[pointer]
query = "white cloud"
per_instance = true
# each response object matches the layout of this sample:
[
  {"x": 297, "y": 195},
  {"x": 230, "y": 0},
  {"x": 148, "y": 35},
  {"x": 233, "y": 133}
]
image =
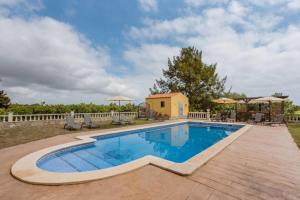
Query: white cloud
[
  {"x": 268, "y": 2},
  {"x": 51, "y": 56},
  {"x": 9, "y": 2},
  {"x": 205, "y": 2},
  {"x": 237, "y": 8},
  {"x": 22, "y": 5},
  {"x": 162, "y": 29},
  {"x": 212, "y": 20},
  {"x": 51, "y": 61},
  {"x": 148, "y": 5},
  {"x": 148, "y": 60},
  {"x": 294, "y": 5},
  {"x": 258, "y": 57}
]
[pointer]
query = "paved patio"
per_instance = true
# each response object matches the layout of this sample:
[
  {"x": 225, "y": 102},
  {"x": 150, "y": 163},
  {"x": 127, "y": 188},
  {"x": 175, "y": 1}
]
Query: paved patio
[{"x": 264, "y": 163}]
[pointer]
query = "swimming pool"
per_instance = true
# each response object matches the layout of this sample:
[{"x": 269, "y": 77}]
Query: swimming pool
[
  {"x": 180, "y": 146},
  {"x": 176, "y": 143}
]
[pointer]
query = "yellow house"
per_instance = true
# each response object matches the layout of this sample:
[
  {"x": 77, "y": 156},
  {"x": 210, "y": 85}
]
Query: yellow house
[{"x": 174, "y": 105}]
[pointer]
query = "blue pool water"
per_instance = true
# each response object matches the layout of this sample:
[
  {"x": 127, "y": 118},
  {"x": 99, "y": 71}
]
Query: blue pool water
[{"x": 177, "y": 143}]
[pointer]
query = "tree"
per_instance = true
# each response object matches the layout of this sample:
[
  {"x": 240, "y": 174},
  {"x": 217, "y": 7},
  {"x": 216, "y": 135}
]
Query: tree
[
  {"x": 4, "y": 99},
  {"x": 234, "y": 95},
  {"x": 188, "y": 74},
  {"x": 277, "y": 94},
  {"x": 289, "y": 107}
]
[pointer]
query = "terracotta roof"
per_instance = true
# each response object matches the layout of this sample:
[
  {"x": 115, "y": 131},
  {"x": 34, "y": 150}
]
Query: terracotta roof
[{"x": 162, "y": 95}]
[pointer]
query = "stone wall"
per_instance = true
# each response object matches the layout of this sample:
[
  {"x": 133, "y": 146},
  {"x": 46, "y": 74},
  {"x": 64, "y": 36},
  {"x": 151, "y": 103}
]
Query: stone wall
[{"x": 31, "y": 123}]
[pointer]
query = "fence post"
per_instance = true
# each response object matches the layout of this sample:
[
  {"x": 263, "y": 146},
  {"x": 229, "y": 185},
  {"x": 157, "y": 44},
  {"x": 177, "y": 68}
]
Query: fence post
[
  {"x": 10, "y": 117},
  {"x": 208, "y": 114},
  {"x": 111, "y": 114}
]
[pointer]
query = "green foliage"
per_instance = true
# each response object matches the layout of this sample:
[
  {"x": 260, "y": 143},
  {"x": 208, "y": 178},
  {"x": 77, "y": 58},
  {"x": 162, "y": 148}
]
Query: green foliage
[
  {"x": 188, "y": 74},
  {"x": 60, "y": 108},
  {"x": 4, "y": 99},
  {"x": 277, "y": 94},
  {"x": 289, "y": 107},
  {"x": 2, "y": 111},
  {"x": 297, "y": 111},
  {"x": 224, "y": 107},
  {"x": 234, "y": 95},
  {"x": 295, "y": 132}
]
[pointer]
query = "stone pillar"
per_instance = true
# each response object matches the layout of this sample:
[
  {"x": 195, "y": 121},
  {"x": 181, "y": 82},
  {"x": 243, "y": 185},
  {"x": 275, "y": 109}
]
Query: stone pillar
[
  {"x": 10, "y": 117},
  {"x": 111, "y": 113},
  {"x": 208, "y": 114}
]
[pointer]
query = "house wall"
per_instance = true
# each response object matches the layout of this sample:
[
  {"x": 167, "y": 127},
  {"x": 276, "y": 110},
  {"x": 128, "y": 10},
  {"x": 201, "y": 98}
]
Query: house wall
[
  {"x": 154, "y": 104},
  {"x": 171, "y": 105},
  {"x": 175, "y": 105}
]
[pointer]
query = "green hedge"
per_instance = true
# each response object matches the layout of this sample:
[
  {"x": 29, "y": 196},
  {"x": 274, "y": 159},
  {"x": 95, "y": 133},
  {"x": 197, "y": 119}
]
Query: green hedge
[{"x": 60, "y": 108}]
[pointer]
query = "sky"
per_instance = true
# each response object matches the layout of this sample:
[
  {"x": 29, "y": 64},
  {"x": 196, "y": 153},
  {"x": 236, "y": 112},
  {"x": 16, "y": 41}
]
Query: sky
[{"x": 72, "y": 51}]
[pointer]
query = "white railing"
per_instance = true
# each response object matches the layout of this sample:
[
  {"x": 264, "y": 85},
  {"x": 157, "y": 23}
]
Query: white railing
[
  {"x": 36, "y": 117},
  {"x": 52, "y": 117},
  {"x": 293, "y": 118},
  {"x": 95, "y": 116},
  {"x": 199, "y": 115},
  {"x": 3, "y": 118}
]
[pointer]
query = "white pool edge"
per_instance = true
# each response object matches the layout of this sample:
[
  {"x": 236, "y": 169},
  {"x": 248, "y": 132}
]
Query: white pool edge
[{"x": 26, "y": 170}]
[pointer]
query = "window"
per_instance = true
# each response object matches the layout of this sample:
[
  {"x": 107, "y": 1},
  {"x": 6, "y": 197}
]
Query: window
[{"x": 162, "y": 104}]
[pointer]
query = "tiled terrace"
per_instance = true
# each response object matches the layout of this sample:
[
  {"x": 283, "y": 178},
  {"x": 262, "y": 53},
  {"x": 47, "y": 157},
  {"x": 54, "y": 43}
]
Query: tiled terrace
[{"x": 264, "y": 163}]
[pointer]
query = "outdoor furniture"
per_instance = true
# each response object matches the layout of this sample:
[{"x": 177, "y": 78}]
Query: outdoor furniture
[
  {"x": 88, "y": 121},
  {"x": 126, "y": 120},
  {"x": 116, "y": 120},
  {"x": 268, "y": 100},
  {"x": 218, "y": 117},
  {"x": 279, "y": 119},
  {"x": 258, "y": 118},
  {"x": 232, "y": 117},
  {"x": 71, "y": 124},
  {"x": 119, "y": 99}
]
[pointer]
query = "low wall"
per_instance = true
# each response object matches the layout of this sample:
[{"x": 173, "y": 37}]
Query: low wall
[
  {"x": 7, "y": 121},
  {"x": 30, "y": 123}
]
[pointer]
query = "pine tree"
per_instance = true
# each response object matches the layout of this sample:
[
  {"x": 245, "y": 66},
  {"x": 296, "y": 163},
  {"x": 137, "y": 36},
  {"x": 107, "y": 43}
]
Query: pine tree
[
  {"x": 187, "y": 73},
  {"x": 4, "y": 100}
]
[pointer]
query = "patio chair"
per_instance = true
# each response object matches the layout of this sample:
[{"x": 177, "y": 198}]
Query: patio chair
[
  {"x": 218, "y": 117},
  {"x": 258, "y": 117},
  {"x": 71, "y": 124},
  {"x": 232, "y": 117},
  {"x": 116, "y": 120},
  {"x": 88, "y": 121},
  {"x": 279, "y": 119},
  {"x": 126, "y": 120}
]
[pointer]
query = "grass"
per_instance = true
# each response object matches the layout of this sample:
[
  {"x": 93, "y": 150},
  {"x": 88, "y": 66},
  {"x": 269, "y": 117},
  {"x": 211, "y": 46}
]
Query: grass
[
  {"x": 23, "y": 134},
  {"x": 295, "y": 132},
  {"x": 297, "y": 112}
]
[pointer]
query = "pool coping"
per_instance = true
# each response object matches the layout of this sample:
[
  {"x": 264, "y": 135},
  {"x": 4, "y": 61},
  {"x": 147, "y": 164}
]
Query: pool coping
[{"x": 25, "y": 169}]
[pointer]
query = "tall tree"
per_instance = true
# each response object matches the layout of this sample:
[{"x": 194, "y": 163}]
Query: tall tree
[
  {"x": 4, "y": 100},
  {"x": 187, "y": 73},
  {"x": 233, "y": 95}
]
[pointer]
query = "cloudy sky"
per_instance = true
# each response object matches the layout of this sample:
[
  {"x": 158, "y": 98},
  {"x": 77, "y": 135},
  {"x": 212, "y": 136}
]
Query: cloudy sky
[{"x": 70, "y": 51}]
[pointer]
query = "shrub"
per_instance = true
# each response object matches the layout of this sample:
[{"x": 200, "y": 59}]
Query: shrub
[{"x": 60, "y": 108}]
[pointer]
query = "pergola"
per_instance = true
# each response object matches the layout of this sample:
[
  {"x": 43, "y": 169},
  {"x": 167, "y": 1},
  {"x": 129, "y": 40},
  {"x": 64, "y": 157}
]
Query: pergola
[
  {"x": 264, "y": 100},
  {"x": 268, "y": 100},
  {"x": 120, "y": 99}
]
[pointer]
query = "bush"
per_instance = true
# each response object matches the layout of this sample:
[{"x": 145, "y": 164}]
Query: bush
[
  {"x": 60, "y": 108},
  {"x": 2, "y": 111}
]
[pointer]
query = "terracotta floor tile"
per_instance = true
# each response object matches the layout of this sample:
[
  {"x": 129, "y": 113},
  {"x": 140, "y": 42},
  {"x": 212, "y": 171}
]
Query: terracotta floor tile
[{"x": 264, "y": 163}]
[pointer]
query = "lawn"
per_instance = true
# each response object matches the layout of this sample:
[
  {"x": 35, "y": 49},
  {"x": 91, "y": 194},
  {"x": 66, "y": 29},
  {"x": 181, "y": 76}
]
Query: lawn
[
  {"x": 297, "y": 112},
  {"x": 295, "y": 132},
  {"x": 23, "y": 134}
]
